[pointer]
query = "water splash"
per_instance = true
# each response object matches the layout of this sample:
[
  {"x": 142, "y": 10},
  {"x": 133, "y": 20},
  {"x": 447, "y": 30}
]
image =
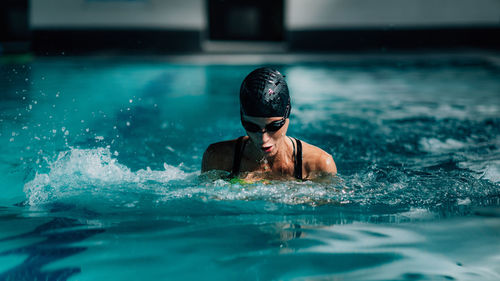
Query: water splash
[
  {"x": 94, "y": 176},
  {"x": 78, "y": 171}
]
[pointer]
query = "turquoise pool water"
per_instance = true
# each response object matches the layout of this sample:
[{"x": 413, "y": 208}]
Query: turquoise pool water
[{"x": 100, "y": 159}]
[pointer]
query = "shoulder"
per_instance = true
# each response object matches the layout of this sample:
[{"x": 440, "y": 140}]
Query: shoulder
[
  {"x": 219, "y": 156},
  {"x": 316, "y": 160}
]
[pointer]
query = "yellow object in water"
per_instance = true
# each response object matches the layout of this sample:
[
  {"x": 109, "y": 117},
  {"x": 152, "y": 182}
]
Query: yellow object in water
[{"x": 246, "y": 182}]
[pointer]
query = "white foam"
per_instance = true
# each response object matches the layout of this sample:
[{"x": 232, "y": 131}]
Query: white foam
[
  {"x": 434, "y": 145},
  {"x": 489, "y": 170},
  {"x": 492, "y": 171},
  {"x": 80, "y": 170}
]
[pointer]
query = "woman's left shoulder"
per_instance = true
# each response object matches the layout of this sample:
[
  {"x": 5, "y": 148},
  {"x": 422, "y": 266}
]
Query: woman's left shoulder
[{"x": 316, "y": 159}]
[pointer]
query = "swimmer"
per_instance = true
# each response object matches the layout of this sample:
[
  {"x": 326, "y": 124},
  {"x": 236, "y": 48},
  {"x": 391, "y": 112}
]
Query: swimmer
[{"x": 267, "y": 153}]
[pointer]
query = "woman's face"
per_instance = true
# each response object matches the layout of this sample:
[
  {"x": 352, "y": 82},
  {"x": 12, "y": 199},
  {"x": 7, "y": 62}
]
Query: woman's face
[{"x": 266, "y": 140}]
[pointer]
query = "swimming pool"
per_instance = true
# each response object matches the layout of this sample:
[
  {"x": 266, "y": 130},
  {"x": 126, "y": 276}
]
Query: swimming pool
[{"x": 100, "y": 162}]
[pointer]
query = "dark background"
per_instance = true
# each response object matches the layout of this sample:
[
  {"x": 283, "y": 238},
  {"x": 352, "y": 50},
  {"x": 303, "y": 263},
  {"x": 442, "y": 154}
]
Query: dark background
[{"x": 244, "y": 21}]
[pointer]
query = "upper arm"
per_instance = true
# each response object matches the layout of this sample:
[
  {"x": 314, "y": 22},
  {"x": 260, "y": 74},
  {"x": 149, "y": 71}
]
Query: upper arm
[
  {"x": 325, "y": 164},
  {"x": 208, "y": 161},
  {"x": 217, "y": 156},
  {"x": 319, "y": 164},
  {"x": 323, "y": 169}
]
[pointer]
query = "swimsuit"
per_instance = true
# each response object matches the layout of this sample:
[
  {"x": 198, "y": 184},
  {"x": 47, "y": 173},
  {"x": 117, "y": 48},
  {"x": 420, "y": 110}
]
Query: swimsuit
[{"x": 240, "y": 146}]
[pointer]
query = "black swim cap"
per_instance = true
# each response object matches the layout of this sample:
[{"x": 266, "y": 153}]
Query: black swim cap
[{"x": 264, "y": 93}]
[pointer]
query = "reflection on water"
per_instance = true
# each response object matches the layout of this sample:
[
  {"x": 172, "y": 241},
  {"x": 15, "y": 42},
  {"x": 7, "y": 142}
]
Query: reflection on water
[
  {"x": 265, "y": 243},
  {"x": 57, "y": 237}
]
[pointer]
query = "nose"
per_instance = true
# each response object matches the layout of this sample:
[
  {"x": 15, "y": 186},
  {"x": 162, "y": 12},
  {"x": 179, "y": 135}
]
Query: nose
[{"x": 264, "y": 136}]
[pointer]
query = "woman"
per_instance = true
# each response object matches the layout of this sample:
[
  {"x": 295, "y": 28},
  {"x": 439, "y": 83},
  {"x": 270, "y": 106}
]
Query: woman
[{"x": 267, "y": 152}]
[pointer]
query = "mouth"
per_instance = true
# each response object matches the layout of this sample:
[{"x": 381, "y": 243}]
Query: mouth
[{"x": 266, "y": 149}]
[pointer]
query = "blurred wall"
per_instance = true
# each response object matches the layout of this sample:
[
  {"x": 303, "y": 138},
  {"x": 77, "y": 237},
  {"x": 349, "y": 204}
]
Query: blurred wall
[
  {"x": 326, "y": 14},
  {"x": 385, "y": 25},
  {"x": 182, "y": 25},
  {"x": 299, "y": 14},
  {"x": 165, "y": 14},
  {"x": 129, "y": 26}
]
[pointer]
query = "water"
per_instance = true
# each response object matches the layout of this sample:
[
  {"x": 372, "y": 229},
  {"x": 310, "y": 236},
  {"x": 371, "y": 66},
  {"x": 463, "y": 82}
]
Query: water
[{"x": 100, "y": 162}]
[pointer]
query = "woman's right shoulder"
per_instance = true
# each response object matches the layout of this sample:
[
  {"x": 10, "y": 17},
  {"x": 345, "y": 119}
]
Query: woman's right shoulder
[
  {"x": 222, "y": 146},
  {"x": 219, "y": 156}
]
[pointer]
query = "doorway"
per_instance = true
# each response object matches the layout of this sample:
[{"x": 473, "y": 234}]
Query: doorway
[{"x": 245, "y": 20}]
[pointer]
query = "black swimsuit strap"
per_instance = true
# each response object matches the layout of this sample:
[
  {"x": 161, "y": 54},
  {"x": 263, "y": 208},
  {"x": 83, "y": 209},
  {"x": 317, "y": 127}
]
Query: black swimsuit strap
[
  {"x": 238, "y": 149},
  {"x": 298, "y": 161},
  {"x": 293, "y": 145}
]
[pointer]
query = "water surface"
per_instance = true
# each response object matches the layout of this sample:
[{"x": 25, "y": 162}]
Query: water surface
[{"x": 100, "y": 172}]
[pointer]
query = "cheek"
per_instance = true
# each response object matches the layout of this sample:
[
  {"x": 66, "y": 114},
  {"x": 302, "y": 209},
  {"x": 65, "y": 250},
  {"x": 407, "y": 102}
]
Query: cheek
[
  {"x": 281, "y": 132},
  {"x": 276, "y": 136}
]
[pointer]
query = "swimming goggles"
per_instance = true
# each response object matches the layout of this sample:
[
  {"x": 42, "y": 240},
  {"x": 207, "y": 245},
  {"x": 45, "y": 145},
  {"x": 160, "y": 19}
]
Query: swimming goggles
[{"x": 271, "y": 127}]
